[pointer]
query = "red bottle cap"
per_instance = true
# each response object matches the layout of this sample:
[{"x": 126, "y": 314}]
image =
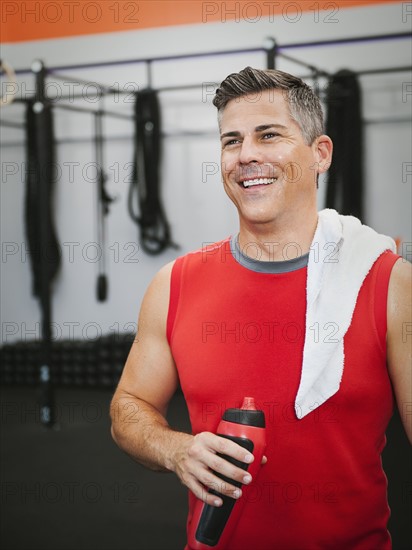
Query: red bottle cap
[{"x": 249, "y": 404}]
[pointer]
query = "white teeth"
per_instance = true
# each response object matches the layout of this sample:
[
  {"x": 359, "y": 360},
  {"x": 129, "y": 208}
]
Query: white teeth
[{"x": 258, "y": 181}]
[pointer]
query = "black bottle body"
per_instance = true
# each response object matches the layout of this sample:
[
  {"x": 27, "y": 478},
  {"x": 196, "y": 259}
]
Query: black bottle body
[{"x": 211, "y": 526}]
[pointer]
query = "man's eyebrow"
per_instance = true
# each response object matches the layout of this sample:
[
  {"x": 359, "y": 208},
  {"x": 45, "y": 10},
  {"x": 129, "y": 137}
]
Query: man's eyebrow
[
  {"x": 264, "y": 127},
  {"x": 260, "y": 128},
  {"x": 229, "y": 134}
]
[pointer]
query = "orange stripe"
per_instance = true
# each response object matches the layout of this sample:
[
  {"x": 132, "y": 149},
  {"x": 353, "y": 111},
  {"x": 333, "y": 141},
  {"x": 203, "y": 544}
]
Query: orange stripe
[{"x": 42, "y": 19}]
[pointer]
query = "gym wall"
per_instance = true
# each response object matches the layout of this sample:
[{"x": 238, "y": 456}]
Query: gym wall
[{"x": 195, "y": 204}]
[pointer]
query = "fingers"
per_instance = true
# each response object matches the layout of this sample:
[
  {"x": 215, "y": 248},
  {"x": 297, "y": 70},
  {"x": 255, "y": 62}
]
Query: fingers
[
  {"x": 206, "y": 467},
  {"x": 212, "y": 467},
  {"x": 202, "y": 493}
]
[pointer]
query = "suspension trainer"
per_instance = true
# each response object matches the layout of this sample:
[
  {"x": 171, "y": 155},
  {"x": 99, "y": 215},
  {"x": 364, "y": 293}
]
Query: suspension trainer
[{"x": 144, "y": 201}]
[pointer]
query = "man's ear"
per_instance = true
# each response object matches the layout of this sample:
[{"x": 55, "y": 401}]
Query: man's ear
[{"x": 323, "y": 149}]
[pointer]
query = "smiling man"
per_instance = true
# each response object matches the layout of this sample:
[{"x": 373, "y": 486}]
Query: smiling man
[
  {"x": 315, "y": 337},
  {"x": 270, "y": 169}
]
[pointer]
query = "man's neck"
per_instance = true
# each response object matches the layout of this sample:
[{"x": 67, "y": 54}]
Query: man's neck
[{"x": 278, "y": 242}]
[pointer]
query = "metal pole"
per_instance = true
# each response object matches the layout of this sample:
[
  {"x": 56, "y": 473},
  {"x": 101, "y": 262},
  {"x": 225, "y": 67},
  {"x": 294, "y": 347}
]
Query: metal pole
[{"x": 271, "y": 52}]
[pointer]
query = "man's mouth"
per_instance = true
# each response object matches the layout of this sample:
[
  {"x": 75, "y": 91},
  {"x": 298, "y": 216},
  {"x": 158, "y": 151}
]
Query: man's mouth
[{"x": 257, "y": 181}]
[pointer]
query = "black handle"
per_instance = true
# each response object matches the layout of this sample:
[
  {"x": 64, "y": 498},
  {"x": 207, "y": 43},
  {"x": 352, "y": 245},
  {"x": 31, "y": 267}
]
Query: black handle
[{"x": 102, "y": 288}]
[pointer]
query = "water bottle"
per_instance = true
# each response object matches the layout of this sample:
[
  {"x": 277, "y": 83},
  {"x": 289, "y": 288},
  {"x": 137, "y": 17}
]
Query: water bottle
[{"x": 211, "y": 526}]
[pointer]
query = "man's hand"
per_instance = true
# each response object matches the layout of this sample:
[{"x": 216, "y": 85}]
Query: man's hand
[{"x": 196, "y": 460}]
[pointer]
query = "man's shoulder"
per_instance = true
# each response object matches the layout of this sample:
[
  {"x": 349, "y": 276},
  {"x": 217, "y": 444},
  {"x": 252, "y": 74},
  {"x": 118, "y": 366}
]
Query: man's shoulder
[
  {"x": 208, "y": 249},
  {"x": 198, "y": 257},
  {"x": 401, "y": 277},
  {"x": 210, "y": 246}
]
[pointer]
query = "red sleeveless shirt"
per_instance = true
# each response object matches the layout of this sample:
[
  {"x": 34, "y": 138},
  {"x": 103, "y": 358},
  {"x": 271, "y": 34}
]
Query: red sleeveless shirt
[{"x": 235, "y": 332}]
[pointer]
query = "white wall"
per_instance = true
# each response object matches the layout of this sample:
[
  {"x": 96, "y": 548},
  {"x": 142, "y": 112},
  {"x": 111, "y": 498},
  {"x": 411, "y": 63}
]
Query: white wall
[{"x": 195, "y": 204}]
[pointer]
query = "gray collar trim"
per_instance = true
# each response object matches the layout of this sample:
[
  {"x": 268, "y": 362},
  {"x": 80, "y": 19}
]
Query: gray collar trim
[{"x": 266, "y": 267}]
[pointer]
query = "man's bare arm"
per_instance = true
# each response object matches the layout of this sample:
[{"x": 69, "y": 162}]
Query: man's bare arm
[
  {"x": 399, "y": 339},
  {"x": 139, "y": 407}
]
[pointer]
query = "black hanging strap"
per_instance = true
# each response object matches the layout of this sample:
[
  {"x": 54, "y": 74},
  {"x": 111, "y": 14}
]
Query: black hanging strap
[
  {"x": 144, "y": 189},
  {"x": 40, "y": 173},
  {"x": 344, "y": 126}
]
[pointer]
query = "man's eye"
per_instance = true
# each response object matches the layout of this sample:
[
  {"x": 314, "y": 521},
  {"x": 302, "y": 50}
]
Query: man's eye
[
  {"x": 269, "y": 135},
  {"x": 231, "y": 142}
]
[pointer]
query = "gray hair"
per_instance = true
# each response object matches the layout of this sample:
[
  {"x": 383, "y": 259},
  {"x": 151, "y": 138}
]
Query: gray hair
[{"x": 304, "y": 105}]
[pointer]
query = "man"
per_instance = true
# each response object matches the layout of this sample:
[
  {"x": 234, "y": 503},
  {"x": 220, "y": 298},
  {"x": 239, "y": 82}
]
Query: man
[{"x": 304, "y": 311}]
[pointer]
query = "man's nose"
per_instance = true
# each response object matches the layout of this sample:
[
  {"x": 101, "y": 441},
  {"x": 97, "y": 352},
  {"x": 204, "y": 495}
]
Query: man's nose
[{"x": 249, "y": 151}]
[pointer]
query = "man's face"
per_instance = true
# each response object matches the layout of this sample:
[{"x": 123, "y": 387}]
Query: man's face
[{"x": 268, "y": 170}]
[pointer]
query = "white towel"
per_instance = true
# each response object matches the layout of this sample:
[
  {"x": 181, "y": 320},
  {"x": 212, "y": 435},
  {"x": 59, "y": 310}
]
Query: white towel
[{"x": 341, "y": 255}]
